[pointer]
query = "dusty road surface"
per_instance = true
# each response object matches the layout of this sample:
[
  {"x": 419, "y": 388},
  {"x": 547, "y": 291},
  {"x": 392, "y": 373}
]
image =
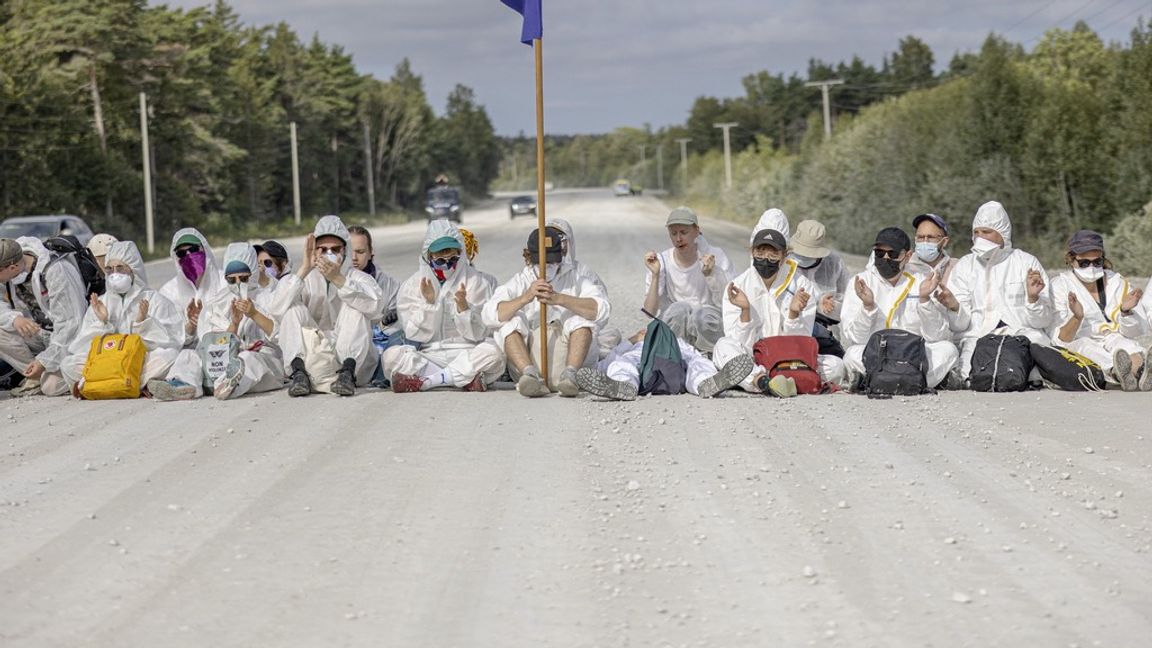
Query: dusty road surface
[{"x": 451, "y": 519}]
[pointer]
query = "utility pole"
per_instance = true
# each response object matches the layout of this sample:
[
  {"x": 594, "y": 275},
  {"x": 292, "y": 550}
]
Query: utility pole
[
  {"x": 660, "y": 166},
  {"x": 295, "y": 175},
  {"x": 727, "y": 126},
  {"x": 683, "y": 142},
  {"x": 149, "y": 225},
  {"x": 368, "y": 170},
  {"x": 643, "y": 165},
  {"x": 824, "y": 85}
]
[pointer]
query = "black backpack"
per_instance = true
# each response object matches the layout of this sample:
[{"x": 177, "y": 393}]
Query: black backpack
[
  {"x": 65, "y": 245},
  {"x": 1067, "y": 370},
  {"x": 895, "y": 364},
  {"x": 662, "y": 368},
  {"x": 1001, "y": 363}
]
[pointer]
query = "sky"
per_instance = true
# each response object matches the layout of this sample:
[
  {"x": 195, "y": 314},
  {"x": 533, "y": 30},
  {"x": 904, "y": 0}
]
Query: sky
[{"x": 612, "y": 63}]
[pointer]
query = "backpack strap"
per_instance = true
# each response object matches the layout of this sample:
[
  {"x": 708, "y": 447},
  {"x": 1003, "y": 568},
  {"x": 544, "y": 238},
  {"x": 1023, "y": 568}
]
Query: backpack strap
[
  {"x": 1113, "y": 318},
  {"x": 899, "y": 300},
  {"x": 787, "y": 279}
]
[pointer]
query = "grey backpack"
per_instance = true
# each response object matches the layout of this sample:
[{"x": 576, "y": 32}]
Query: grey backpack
[{"x": 217, "y": 349}]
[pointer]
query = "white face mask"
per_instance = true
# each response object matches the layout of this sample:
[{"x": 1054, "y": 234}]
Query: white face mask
[
  {"x": 1091, "y": 274},
  {"x": 19, "y": 279},
  {"x": 332, "y": 257},
  {"x": 551, "y": 270},
  {"x": 240, "y": 289},
  {"x": 983, "y": 248},
  {"x": 119, "y": 283}
]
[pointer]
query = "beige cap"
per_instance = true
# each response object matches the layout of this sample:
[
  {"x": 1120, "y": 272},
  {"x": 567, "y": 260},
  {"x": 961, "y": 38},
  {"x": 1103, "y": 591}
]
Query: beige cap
[
  {"x": 682, "y": 216},
  {"x": 98, "y": 245},
  {"x": 808, "y": 240},
  {"x": 10, "y": 252}
]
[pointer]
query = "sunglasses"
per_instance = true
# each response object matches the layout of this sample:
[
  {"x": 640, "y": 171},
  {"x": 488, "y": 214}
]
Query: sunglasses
[
  {"x": 336, "y": 249},
  {"x": 268, "y": 263},
  {"x": 444, "y": 262},
  {"x": 240, "y": 279},
  {"x": 1084, "y": 263},
  {"x": 891, "y": 254},
  {"x": 185, "y": 251}
]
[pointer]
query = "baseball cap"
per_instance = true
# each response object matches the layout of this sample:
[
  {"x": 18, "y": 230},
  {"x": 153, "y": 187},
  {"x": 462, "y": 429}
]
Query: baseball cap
[
  {"x": 99, "y": 244},
  {"x": 553, "y": 252},
  {"x": 274, "y": 249},
  {"x": 10, "y": 252},
  {"x": 895, "y": 238},
  {"x": 681, "y": 216},
  {"x": 939, "y": 222},
  {"x": 769, "y": 237},
  {"x": 808, "y": 240},
  {"x": 1085, "y": 241},
  {"x": 444, "y": 243},
  {"x": 188, "y": 239}
]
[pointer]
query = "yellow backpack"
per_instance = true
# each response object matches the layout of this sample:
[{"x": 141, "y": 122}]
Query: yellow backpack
[{"x": 113, "y": 369}]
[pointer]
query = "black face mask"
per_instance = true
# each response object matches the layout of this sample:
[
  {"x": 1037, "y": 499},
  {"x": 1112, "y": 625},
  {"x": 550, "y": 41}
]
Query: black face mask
[
  {"x": 888, "y": 268},
  {"x": 765, "y": 267}
]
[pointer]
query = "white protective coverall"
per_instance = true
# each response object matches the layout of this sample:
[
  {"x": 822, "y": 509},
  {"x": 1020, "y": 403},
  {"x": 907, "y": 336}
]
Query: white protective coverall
[
  {"x": 568, "y": 279},
  {"x": 181, "y": 291},
  {"x": 449, "y": 340},
  {"x": 263, "y": 365},
  {"x": 769, "y": 318},
  {"x": 162, "y": 331},
  {"x": 773, "y": 219},
  {"x": 992, "y": 291},
  {"x": 623, "y": 364},
  {"x": 691, "y": 303},
  {"x": 1101, "y": 333},
  {"x": 58, "y": 290},
  {"x": 897, "y": 307},
  {"x": 830, "y": 278},
  {"x": 607, "y": 337},
  {"x": 344, "y": 314}
]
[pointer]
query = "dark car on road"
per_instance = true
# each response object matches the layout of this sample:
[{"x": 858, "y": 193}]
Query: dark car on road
[
  {"x": 443, "y": 202},
  {"x": 46, "y": 227},
  {"x": 522, "y": 206}
]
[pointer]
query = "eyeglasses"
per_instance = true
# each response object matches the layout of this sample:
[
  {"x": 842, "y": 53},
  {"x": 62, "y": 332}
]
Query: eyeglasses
[
  {"x": 928, "y": 238},
  {"x": 1084, "y": 263},
  {"x": 445, "y": 261},
  {"x": 238, "y": 279},
  {"x": 185, "y": 251},
  {"x": 335, "y": 249},
  {"x": 124, "y": 270},
  {"x": 268, "y": 263},
  {"x": 891, "y": 254}
]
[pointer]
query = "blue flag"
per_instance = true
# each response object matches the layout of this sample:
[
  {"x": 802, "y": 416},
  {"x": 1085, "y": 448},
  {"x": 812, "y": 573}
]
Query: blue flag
[{"x": 533, "y": 22}]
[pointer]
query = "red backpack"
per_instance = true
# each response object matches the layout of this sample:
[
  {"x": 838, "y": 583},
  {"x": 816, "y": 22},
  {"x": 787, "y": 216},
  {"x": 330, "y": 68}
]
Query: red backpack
[{"x": 793, "y": 356}]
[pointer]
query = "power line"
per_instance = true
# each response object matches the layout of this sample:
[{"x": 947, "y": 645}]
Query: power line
[
  {"x": 1126, "y": 16},
  {"x": 1061, "y": 21},
  {"x": 1103, "y": 11},
  {"x": 1029, "y": 16}
]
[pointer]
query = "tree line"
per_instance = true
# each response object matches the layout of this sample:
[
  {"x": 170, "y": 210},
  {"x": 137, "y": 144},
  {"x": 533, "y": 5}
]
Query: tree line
[{"x": 221, "y": 96}]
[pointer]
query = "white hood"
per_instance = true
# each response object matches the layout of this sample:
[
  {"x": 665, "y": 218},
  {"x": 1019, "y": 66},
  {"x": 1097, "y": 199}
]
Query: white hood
[
  {"x": 566, "y": 227},
  {"x": 246, "y": 254},
  {"x": 43, "y": 257},
  {"x": 993, "y": 216},
  {"x": 211, "y": 280},
  {"x": 439, "y": 228},
  {"x": 772, "y": 219},
  {"x": 333, "y": 226},
  {"x": 126, "y": 252}
]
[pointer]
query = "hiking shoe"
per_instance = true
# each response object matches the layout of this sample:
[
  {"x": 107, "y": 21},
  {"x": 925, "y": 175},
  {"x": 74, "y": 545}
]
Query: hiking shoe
[
  {"x": 345, "y": 384},
  {"x": 477, "y": 384},
  {"x": 599, "y": 384},
  {"x": 173, "y": 390},
  {"x": 1122, "y": 370},
  {"x": 531, "y": 385},
  {"x": 299, "y": 383},
  {"x": 567, "y": 385},
  {"x": 1145, "y": 382},
  {"x": 227, "y": 384},
  {"x": 406, "y": 383},
  {"x": 731, "y": 374}
]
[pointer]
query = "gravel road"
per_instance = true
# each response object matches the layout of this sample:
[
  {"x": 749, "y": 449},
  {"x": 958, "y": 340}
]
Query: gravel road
[{"x": 452, "y": 519}]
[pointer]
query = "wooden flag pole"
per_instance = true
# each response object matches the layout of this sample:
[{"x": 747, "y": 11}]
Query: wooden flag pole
[{"x": 541, "y": 239}]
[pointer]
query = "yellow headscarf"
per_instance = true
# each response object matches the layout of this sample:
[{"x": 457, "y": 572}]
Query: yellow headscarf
[{"x": 471, "y": 246}]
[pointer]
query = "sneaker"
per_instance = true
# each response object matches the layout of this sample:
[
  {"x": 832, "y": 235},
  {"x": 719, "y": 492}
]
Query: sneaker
[
  {"x": 1145, "y": 383},
  {"x": 599, "y": 384},
  {"x": 172, "y": 390},
  {"x": 730, "y": 375},
  {"x": 1122, "y": 370},
  {"x": 530, "y": 385},
  {"x": 477, "y": 384},
  {"x": 345, "y": 384},
  {"x": 30, "y": 387},
  {"x": 782, "y": 387},
  {"x": 227, "y": 384},
  {"x": 567, "y": 385},
  {"x": 299, "y": 383},
  {"x": 406, "y": 383}
]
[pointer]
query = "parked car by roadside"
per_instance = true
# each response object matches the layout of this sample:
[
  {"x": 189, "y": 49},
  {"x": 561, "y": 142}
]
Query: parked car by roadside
[
  {"x": 522, "y": 206},
  {"x": 46, "y": 227}
]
